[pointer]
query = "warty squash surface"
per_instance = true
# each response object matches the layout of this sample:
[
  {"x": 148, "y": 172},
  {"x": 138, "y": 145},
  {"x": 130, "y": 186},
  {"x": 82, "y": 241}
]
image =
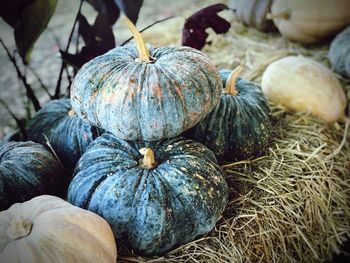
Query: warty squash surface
[{"x": 155, "y": 195}]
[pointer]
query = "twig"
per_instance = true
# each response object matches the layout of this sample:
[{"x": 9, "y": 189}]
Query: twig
[
  {"x": 29, "y": 90},
  {"x": 69, "y": 77},
  {"x": 43, "y": 86},
  {"x": 158, "y": 21},
  {"x": 63, "y": 65},
  {"x": 20, "y": 124}
]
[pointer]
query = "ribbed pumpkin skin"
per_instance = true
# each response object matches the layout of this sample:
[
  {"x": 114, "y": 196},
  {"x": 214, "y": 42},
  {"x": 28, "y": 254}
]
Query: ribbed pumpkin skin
[
  {"x": 68, "y": 135},
  {"x": 27, "y": 169},
  {"x": 152, "y": 209},
  {"x": 253, "y": 13},
  {"x": 146, "y": 101},
  {"x": 48, "y": 229},
  {"x": 339, "y": 53},
  {"x": 239, "y": 127}
]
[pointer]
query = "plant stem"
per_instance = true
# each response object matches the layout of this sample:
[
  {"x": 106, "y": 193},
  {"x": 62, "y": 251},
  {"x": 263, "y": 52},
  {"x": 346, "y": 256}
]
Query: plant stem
[
  {"x": 140, "y": 44},
  {"x": 29, "y": 90},
  {"x": 148, "y": 161},
  {"x": 231, "y": 81},
  {"x": 63, "y": 65},
  {"x": 20, "y": 124},
  {"x": 43, "y": 86},
  {"x": 158, "y": 21}
]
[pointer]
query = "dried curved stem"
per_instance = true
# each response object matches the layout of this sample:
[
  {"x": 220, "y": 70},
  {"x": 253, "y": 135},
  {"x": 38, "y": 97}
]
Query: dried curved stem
[
  {"x": 148, "y": 161},
  {"x": 140, "y": 44},
  {"x": 231, "y": 82}
]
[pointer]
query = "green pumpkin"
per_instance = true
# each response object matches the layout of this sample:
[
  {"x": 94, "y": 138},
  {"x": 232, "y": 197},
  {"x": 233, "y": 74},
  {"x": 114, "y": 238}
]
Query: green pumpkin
[
  {"x": 339, "y": 53},
  {"x": 154, "y": 195},
  {"x": 240, "y": 125},
  {"x": 27, "y": 169},
  {"x": 68, "y": 135},
  {"x": 148, "y": 95}
]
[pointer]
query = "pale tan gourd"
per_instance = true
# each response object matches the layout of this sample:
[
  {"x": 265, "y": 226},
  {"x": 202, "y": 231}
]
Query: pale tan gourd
[
  {"x": 253, "y": 13},
  {"x": 308, "y": 21},
  {"x": 304, "y": 85},
  {"x": 49, "y": 229}
]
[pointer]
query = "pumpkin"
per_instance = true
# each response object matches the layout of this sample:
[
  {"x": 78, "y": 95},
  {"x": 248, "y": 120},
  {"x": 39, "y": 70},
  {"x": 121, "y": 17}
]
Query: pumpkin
[
  {"x": 27, "y": 169},
  {"x": 154, "y": 195},
  {"x": 310, "y": 21},
  {"x": 339, "y": 53},
  {"x": 253, "y": 13},
  {"x": 239, "y": 127},
  {"x": 146, "y": 93},
  {"x": 57, "y": 124},
  {"x": 301, "y": 84},
  {"x": 49, "y": 229}
]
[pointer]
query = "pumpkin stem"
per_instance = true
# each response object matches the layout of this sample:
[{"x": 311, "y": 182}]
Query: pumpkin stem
[
  {"x": 231, "y": 82},
  {"x": 19, "y": 228},
  {"x": 148, "y": 161},
  {"x": 71, "y": 113},
  {"x": 140, "y": 44},
  {"x": 281, "y": 15}
]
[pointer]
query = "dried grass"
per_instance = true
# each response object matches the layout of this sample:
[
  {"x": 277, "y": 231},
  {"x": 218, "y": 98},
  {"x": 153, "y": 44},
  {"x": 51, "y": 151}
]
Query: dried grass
[{"x": 291, "y": 205}]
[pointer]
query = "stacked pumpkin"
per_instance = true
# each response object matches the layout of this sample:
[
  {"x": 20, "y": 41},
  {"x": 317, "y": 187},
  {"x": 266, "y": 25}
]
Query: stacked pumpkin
[{"x": 155, "y": 188}]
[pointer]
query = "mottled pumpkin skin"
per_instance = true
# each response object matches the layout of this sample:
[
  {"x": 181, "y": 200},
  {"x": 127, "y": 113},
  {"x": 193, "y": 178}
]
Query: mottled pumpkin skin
[
  {"x": 68, "y": 134},
  {"x": 27, "y": 169},
  {"x": 339, "y": 53},
  {"x": 146, "y": 101},
  {"x": 152, "y": 209},
  {"x": 239, "y": 127}
]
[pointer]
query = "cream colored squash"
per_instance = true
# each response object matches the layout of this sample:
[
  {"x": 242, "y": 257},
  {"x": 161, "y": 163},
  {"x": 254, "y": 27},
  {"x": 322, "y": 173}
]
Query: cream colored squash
[
  {"x": 47, "y": 229},
  {"x": 308, "y": 21},
  {"x": 304, "y": 85}
]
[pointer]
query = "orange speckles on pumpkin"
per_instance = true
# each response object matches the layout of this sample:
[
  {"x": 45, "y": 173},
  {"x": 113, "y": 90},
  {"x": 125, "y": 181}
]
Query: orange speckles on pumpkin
[
  {"x": 179, "y": 93},
  {"x": 157, "y": 91},
  {"x": 105, "y": 93},
  {"x": 169, "y": 212},
  {"x": 194, "y": 115},
  {"x": 207, "y": 104},
  {"x": 93, "y": 96},
  {"x": 199, "y": 176}
]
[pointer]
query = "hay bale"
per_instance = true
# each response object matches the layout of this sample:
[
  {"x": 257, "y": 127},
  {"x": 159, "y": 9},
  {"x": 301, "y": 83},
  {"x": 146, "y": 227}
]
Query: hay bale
[{"x": 291, "y": 205}]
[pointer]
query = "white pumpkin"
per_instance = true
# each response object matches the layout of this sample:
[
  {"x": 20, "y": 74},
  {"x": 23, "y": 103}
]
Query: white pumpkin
[
  {"x": 308, "y": 21},
  {"x": 304, "y": 85},
  {"x": 49, "y": 229}
]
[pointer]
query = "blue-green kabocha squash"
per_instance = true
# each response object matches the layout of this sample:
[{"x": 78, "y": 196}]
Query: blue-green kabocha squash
[
  {"x": 67, "y": 134},
  {"x": 154, "y": 195},
  {"x": 146, "y": 93},
  {"x": 339, "y": 53},
  {"x": 240, "y": 125},
  {"x": 27, "y": 169}
]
